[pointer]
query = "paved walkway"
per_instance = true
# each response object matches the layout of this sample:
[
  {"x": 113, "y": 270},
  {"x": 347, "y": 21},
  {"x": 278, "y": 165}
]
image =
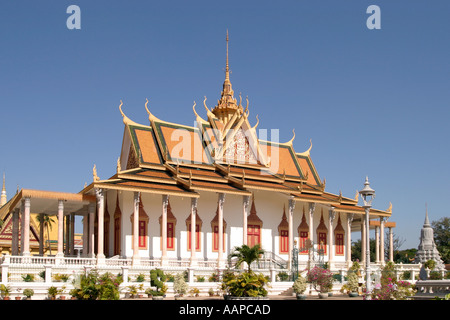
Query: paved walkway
[{"x": 275, "y": 297}]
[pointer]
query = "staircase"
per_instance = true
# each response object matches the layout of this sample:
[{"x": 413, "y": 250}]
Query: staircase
[
  {"x": 270, "y": 260},
  {"x": 281, "y": 288}
]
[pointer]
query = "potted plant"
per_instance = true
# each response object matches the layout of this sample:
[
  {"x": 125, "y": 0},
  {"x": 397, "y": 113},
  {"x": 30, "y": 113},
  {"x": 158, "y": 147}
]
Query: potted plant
[
  {"x": 352, "y": 283},
  {"x": 18, "y": 291},
  {"x": 61, "y": 292},
  {"x": 74, "y": 294},
  {"x": 321, "y": 279},
  {"x": 195, "y": 292},
  {"x": 52, "y": 292},
  {"x": 5, "y": 291},
  {"x": 300, "y": 287},
  {"x": 28, "y": 293},
  {"x": 180, "y": 286},
  {"x": 28, "y": 277},
  {"x": 356, "y": 267},
  {"x": 132, "y": 291}
]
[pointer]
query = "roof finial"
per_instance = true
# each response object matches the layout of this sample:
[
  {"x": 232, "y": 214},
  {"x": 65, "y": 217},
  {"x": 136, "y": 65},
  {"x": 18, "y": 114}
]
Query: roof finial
[
  {"x": 3, "y": 198},
  {"x": 227, "y": 68}
]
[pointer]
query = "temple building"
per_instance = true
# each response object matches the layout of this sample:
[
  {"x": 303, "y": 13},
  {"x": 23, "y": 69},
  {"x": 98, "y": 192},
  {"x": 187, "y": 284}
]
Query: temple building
[{"x": 192, "y": 193}]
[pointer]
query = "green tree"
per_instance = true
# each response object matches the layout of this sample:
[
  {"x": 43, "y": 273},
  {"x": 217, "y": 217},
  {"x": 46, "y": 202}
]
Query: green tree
[
  {"x": 441, "y": 229},
  {"x": 46, "y": 222},
  {"x": 247, "y": 254},
  {"x": 356, "y": 250}
]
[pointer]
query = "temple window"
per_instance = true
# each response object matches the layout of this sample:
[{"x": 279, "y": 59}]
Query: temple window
[
  {"x": 322, "y": 232},
  {"x": 339, "y": 237},
  {"x": 198, "y": 228},
  {"x": 171, "y": 225},
  {"x": 283, "y": 232},
  {"x": 303, "y": 232},
  {"x": 254, "y": 225}
]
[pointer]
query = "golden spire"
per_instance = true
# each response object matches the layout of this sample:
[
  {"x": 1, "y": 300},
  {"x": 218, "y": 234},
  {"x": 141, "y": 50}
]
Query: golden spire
[
  {"x": 227, "y": 104},
  {"x": 3, "y": 198},
  {"x": 227, "y": 67}
]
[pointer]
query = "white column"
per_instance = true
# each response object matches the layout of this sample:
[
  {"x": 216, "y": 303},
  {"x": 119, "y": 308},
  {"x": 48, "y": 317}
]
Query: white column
[
  {"x": 349, "y": 239},
  {"x": 67, "y": 235},
  {"x": 15, "y": 233},
  {"x": 382, "y": 221},
  {"x": 165, "y": 202},
  {"x": 72, "y": 234},
  {"x": 91, "y": 253},
  {"x": 391, "y": 245},
  {"x": 312, "y": 207},
  {"x": 85, "y": 235},
  {"x": 220, "y": 226},
  {"x": 136, "y": 259},
  {"x": 245, "y": 206},
  {"x": 100, "y": 235},
  {"x": 291, "y": 229},
  {"x": 193, "y": 229},
  {"x": 21, "y": 221},
  {"x": 377, "y": 244},
  {"x": 331, "y": 216},
  {"x": 60, "y": 252}
]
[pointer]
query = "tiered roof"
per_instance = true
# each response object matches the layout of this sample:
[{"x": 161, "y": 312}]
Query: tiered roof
[{"x": 221, "y": 154}]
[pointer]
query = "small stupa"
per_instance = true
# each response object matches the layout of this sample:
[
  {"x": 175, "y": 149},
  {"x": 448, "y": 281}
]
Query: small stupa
[{"x": 427, "y": 248}]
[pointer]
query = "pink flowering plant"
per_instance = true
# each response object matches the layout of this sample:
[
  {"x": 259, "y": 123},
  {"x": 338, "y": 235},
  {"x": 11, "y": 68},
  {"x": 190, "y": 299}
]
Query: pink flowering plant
[
  {"x": 391, "y": 289},
  {"x": 321, "y": 279}
]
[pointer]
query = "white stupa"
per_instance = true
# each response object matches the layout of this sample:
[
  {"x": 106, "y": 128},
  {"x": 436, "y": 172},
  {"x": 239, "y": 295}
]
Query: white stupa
[{"x": 427, "y": 248}]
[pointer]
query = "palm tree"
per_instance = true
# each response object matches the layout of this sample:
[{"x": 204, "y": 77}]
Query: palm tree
[
  {"x": 46, "y": 223},
  {"x": 247, "y": 254}
]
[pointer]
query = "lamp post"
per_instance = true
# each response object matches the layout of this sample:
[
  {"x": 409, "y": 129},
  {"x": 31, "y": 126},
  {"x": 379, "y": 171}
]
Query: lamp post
[{"x": 367, "y": 194}]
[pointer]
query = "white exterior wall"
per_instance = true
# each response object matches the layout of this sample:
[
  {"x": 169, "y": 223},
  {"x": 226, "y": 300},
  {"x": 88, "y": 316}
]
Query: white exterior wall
[{"x": 269, "y": 208}]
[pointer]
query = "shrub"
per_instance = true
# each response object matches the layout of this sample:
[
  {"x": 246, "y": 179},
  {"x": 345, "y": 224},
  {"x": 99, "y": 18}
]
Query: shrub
[
  {"x": 60, "y": 277},
  {"x": 283, "y": 276},
  {"x": 157, "y": 279},
  {"x": 299, "y": 285},
  {"x": 28, "y": 292},
  {"x": 214, "y": 277},
  {"x": 179, "y": 285},
  {"x": 321, "y": 279},
  {"x": 435, "y": 275},
  {"x": 140, "y": 278},
  {"x": 246, "y": 284},
  {"x": 52, "y": 291},
  {"x": 5, "y": 290},
  {"x": 28, "y": 277},
  {"x": 93, "y": 287},
  {"x": 391, "y": 289}
]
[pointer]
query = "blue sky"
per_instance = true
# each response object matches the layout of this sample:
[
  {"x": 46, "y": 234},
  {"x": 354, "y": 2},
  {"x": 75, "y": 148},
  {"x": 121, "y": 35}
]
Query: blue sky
[{"x": 374, "y": 102}]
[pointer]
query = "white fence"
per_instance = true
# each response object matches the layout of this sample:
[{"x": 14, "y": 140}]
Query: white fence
[{"x": 21, "y": 272}]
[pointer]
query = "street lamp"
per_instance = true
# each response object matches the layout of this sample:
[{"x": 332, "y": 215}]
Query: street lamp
[{"x": 367, "y": 194}]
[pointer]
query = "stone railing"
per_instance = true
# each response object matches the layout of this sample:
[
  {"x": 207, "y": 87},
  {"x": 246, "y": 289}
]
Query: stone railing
[{"x": 428, "y": 289}]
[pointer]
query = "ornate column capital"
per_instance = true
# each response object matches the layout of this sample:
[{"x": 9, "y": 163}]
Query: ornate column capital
[
  {"x": 194, "y": 202},
  {"x": 291, "y": 204},
  {"x": 312, "y": 207},
  {"x": 332, "y": 214},
  {"x": 221, "y": 199},
  {"x": 165, "y": 200},
  {"x": 350, "y": 217},
  {"x": 246, "y": 201}
]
